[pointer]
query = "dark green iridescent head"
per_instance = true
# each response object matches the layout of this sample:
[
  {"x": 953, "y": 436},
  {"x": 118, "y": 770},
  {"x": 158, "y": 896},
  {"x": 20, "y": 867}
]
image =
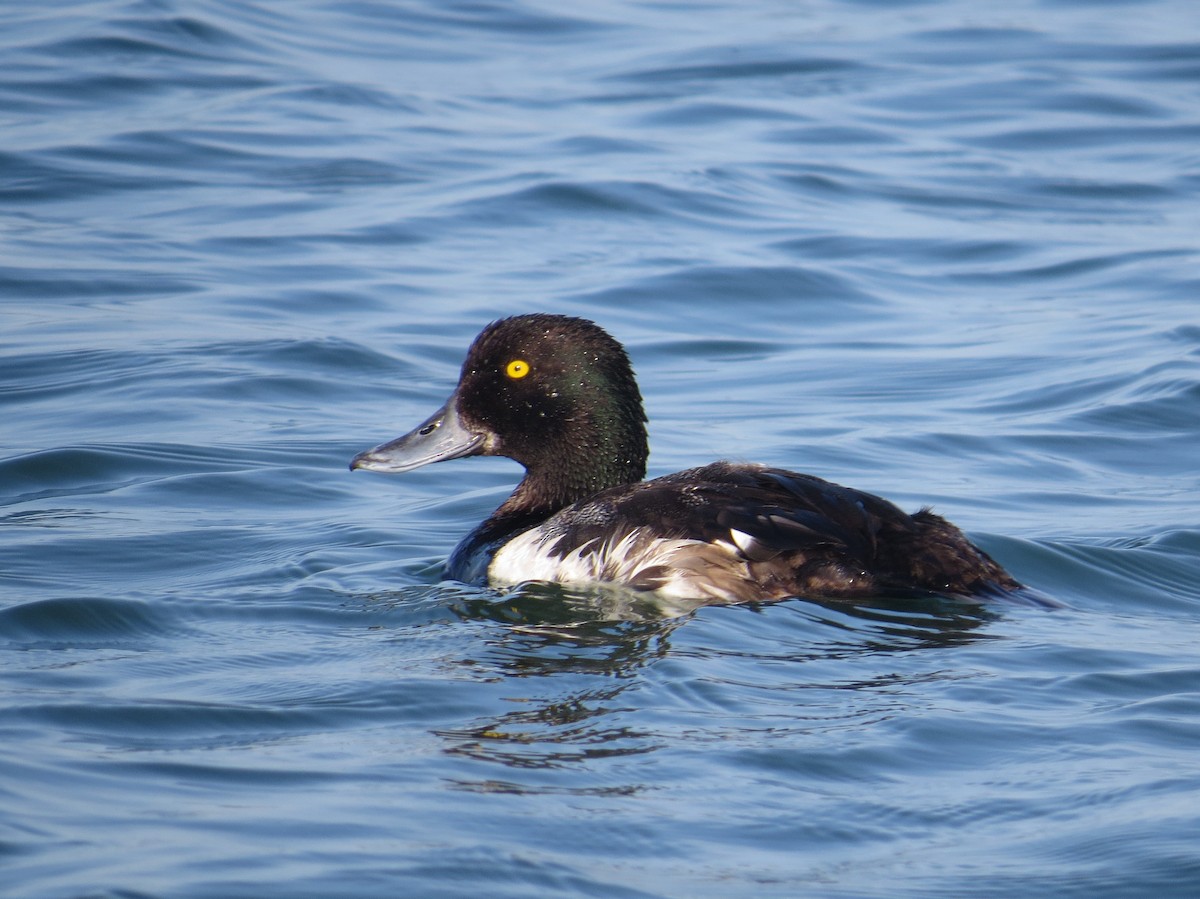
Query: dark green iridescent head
[{"x": 555, "y": 393}]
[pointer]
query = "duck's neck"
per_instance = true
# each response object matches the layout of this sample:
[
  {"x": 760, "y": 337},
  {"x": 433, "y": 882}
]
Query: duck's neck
[
  {"x": 607, "y": 450},
  {"x": 539, "y": 495}
]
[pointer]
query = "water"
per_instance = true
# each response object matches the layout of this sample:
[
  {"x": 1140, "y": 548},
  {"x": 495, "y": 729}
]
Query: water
[{"x": 943, "y": 251}]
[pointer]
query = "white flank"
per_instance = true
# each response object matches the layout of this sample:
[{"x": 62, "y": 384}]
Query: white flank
[{"x": 531, "y": 557}]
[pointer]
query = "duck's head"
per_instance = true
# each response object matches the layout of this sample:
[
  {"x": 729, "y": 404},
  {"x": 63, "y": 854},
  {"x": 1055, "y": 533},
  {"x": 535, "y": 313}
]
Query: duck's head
[{"x": 555, "y": 393}]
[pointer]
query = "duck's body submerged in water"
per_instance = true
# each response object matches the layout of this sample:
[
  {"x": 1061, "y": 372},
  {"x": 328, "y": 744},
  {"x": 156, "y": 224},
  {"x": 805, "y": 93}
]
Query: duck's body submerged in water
[{"x": 558, "y": 395}]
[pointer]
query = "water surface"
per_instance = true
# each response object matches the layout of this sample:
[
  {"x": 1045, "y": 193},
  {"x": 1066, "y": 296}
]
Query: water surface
[{"x": 939, "y": 251}]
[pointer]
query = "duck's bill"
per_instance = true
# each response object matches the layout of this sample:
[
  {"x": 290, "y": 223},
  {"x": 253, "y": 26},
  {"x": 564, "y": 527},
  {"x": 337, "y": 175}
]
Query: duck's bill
[{"x": 440, "y": 437}]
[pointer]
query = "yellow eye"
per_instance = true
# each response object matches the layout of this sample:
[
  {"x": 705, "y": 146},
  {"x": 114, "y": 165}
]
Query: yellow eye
[{"x": 517, "y": 369}]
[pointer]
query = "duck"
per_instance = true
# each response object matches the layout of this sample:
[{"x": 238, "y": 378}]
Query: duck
[{"x": 557, "y": 394}]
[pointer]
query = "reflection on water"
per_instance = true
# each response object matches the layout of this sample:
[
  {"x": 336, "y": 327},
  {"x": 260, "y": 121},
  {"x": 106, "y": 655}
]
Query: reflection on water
[
  {"x": 573, "y": 653},
  {"x": 569, "y": 654}
]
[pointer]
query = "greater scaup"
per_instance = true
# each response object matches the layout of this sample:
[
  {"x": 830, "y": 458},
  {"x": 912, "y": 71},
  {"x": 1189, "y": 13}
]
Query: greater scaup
[{"x": 558, "y": 395}]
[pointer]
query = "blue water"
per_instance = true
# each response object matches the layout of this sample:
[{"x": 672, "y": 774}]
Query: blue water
[{"x": 944, "y": 251}]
